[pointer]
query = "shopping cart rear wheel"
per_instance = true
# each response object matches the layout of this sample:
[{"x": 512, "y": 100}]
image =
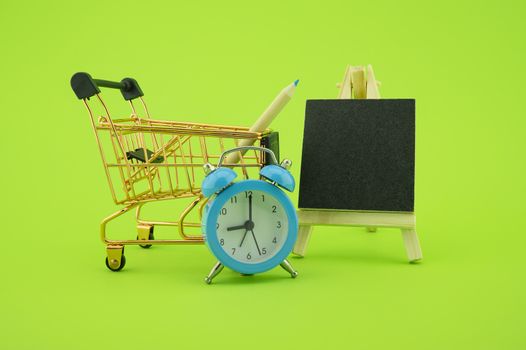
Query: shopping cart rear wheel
[
  {"x": 150, "y": 237},
  {"x": 123, "y": 262}
]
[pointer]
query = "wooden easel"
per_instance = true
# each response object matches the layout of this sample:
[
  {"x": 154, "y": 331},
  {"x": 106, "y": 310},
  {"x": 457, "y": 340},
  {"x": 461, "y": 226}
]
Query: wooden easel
[{"x": 359, "y": 83}]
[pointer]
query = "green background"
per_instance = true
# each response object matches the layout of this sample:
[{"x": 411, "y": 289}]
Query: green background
[{"x": 223, "y": 62}]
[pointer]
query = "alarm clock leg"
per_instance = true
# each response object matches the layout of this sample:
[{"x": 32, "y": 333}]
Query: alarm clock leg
[
  {"x": 214, "y": 272},
  {"x": 288, "y": 267}
]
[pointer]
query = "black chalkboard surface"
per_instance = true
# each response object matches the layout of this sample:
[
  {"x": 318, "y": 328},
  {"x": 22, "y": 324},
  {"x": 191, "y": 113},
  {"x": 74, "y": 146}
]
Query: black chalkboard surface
[{"x": 358, "y": 155}]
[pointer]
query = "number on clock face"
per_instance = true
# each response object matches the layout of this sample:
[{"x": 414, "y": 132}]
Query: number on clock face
[{"x": 252, "y": 226}]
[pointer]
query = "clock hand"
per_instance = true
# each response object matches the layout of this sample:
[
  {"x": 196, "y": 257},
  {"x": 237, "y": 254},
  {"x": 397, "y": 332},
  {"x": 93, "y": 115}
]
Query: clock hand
[
  {"x": 249, "y": 226},
  {"x": 250, "y": 223},
  {"x": 239, "y": 227},
  {"x": 250, "y": 208},
  {"x": 240, "y": 244},
  {"x": 257, "y": 246}
]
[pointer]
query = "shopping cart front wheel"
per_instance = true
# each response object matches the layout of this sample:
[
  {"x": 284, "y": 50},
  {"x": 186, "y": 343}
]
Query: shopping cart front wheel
[{"x": 115, "y": 259}]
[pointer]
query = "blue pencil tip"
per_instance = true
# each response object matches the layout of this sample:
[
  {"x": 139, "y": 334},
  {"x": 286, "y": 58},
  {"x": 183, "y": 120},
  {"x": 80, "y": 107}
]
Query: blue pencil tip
[{"x": 296, "y": 82}]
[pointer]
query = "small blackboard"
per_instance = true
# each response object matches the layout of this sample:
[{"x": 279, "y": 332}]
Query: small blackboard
[{"x": 358, "y": 155}]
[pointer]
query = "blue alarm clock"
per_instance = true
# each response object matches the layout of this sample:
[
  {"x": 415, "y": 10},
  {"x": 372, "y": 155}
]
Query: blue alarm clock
[{"x": 251, "y": 225}]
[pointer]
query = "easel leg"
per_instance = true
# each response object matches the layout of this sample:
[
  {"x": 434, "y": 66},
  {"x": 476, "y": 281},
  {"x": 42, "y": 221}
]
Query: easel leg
[
  {"x": 214, "y": 272},
  {"x": 303, "y": 240},
  {"x": 288, "y": 267},
  {"x": 412, "y": 245}
]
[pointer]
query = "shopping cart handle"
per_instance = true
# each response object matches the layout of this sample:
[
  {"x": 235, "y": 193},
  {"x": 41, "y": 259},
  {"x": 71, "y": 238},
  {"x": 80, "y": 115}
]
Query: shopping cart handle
[{"x": 85, "y": 86}]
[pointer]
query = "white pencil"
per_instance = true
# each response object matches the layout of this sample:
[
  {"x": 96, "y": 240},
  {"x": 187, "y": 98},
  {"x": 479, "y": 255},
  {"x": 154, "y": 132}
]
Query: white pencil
[{"x": 265, "y": 119}]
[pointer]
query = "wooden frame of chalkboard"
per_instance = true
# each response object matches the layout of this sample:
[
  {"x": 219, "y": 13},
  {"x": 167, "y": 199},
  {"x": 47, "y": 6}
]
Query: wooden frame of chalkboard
[{"x": 393, "y": 210}]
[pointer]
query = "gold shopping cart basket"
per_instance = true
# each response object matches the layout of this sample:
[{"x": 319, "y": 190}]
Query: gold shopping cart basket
[{"x": 147, "y": 160}]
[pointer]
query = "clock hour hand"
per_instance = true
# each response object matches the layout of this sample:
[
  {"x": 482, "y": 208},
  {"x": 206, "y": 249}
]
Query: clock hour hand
[{"x": 239, "y": 227}]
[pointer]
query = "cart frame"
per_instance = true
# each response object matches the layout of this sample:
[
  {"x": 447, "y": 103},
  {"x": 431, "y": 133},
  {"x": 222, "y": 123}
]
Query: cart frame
[{"x": 168, "y": 172}]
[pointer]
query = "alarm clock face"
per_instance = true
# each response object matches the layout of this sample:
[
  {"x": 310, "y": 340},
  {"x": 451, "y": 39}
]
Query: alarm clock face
[{"x": 252, "y": 226}]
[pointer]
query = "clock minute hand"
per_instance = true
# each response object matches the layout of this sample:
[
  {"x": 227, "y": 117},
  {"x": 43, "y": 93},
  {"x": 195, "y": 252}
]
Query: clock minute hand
[
  {"x": 247, "y": 225},
  {"x": 250, "y": 208}
]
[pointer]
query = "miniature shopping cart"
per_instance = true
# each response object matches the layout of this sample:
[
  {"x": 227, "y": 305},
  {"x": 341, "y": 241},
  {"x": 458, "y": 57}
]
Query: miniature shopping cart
[{"x": 147, "y": 160}]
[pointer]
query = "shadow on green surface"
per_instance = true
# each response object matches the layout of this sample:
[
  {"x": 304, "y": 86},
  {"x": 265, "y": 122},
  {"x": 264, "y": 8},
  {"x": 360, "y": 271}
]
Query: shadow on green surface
[
  {"x": 233, "y": 278},
  {"x": 347, "y": 257}
]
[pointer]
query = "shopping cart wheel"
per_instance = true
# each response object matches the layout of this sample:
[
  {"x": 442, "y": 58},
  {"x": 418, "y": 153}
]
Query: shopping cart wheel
[
  {"x": 123, "y": 262},
  {"x": 150, "y": 237},
  {"x": 143, "y": 230}
]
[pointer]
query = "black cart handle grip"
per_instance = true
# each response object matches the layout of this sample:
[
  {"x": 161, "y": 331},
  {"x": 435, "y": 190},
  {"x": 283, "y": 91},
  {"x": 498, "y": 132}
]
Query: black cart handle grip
[{"x": 85, "y": 86}]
